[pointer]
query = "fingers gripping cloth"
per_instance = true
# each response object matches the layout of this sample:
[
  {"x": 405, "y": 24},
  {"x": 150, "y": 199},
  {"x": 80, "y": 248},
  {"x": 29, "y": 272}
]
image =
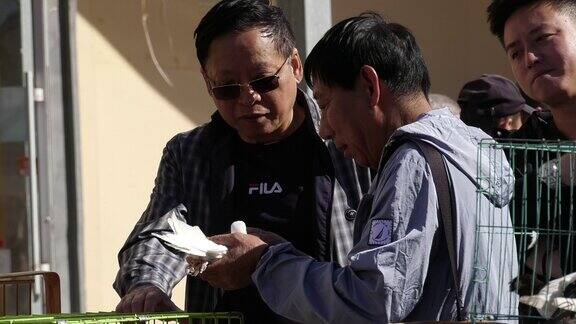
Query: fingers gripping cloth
[{"x": 200, "y": 251}]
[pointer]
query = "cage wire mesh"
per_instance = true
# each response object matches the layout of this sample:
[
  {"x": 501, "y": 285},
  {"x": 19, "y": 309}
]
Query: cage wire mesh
[
  {"x": 176, "y": 317},
  {"x": 542, "y": 212}
]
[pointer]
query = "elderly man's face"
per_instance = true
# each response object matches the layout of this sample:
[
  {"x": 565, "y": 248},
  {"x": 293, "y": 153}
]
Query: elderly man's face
[
  {"x": 239, "y": 58},
  {"x": 349, "y": 122},
  {"x": 541, "y": 46}
]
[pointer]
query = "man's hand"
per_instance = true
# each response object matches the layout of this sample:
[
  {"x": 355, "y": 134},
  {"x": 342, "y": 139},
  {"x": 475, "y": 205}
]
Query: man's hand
[
  {"x": 269, "y": 237},
  {"x": 146, "y": 299},
  {"x": 233, "y": 271}
]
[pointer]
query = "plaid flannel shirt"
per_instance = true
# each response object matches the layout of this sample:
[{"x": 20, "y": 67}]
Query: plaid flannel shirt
[{"x": 196, "y": 170}]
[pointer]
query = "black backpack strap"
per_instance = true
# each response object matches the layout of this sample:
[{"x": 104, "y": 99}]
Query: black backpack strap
[{"x": 448, "y": 219}]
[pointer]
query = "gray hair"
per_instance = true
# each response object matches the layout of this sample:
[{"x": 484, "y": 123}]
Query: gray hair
[{"x": 438, "y": 101}]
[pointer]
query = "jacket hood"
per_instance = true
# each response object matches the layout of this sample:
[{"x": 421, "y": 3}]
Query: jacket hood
[{"x": 468, "y": 148}]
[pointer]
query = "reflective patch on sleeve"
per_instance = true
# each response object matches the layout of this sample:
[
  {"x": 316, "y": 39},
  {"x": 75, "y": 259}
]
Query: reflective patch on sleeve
[{"x": 380, "y": 232}]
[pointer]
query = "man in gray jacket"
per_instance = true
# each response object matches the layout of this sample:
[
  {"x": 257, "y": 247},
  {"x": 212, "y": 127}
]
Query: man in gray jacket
[{"x": 371, "y": 83}]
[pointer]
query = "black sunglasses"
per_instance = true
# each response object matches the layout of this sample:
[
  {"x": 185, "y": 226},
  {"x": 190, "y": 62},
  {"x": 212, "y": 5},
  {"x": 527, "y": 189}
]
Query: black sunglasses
[{"x": 260, "y": 85}]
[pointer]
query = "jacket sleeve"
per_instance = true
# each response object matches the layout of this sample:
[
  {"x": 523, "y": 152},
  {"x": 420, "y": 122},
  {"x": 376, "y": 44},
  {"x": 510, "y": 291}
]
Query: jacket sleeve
[
  {"x": 144, "y": 259},
  {"x": 386, "y": 272}
]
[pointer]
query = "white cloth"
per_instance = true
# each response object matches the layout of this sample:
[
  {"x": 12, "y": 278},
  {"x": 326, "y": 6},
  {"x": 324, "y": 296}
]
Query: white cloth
[{"x": 191, "y": 240}]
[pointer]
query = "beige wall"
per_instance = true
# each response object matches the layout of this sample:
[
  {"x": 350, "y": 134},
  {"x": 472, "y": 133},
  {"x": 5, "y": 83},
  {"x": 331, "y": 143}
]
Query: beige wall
[
  {"x": 128, "y": 112},
  {"x": 453, "y": 35}
]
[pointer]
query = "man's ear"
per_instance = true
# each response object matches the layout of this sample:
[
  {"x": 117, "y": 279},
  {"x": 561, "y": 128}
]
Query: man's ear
[
  {"x": 296, "y": 64},
  {"x": 206, "y": 81},
  {"x": 370, "y": 83}
]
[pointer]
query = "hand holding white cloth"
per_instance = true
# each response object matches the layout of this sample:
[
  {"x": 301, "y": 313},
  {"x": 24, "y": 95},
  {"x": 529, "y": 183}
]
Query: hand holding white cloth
[{"x": 190, "y": 240}]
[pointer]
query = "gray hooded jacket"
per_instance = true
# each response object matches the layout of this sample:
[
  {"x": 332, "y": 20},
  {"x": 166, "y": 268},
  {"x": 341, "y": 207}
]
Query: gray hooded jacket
[{"x": 399, "y": 269}]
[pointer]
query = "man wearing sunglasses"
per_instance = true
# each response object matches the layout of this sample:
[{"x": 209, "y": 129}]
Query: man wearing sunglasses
[
  {"x": 260, "y": 159},
  {"x": 418, "y": 255}
]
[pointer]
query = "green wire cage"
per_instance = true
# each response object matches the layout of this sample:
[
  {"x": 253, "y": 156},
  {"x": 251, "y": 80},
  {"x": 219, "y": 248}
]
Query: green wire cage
[
  {"x": 542, "y": 214},
  {"x": 100, "y": 318}
]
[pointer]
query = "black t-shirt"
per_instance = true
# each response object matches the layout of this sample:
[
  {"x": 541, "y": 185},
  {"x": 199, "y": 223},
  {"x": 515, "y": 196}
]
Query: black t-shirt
[{"x": 273, "y": 190}]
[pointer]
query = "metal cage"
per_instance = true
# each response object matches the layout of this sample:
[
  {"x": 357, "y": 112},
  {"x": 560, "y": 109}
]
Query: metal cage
[
  {"x": 542, "y": 212},
  {"x": 101, "y": 318}
]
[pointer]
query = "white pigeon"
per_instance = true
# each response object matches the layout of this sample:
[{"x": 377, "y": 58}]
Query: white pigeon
[
  {"x": 197, "y": 265},
  {"x": 564, "y": 303},
  {"x": 190, "y": 240},
  {"x": 533, "y": 240},
  {"x": 551, "y": 297}
]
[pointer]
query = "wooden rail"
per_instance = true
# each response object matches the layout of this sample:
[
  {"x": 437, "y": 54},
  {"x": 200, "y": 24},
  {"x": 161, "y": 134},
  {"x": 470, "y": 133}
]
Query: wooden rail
[{"x": 51, "y": 283}]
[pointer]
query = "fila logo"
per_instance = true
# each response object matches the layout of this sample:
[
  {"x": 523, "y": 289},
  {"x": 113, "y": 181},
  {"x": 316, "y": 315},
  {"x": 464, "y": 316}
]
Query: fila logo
[{"x": 264, "y": 188}]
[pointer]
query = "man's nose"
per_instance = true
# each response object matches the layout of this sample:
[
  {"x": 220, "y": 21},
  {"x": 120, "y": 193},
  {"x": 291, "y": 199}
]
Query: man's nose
[
  {"x": 530, "y": 58},
  {"x": 248, "y": 96}
]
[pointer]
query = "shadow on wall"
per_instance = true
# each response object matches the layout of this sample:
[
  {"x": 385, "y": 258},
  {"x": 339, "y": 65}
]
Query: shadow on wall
[
  {"x": 453, "y": 35},
  {"x": 165, "y": 55}
]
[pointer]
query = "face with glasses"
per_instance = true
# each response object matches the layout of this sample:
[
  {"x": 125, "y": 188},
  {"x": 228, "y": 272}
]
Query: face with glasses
[{"x": 254, "y": 86}]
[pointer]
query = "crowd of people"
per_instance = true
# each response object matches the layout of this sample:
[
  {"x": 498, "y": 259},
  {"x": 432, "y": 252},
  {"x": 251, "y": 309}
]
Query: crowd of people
[{"x": 373, "y": 214}]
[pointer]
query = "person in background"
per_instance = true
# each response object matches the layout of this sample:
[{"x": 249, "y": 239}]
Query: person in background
[
  {"x": 494, "y": 104},
  {"x": 260, "y": 159},
  {"x": 371, "y": 83},
  {"x": 538, "y": 37},
  {"x": 438, "y": 101}
]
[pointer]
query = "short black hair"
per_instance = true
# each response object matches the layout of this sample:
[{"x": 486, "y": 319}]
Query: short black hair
[
  {"x": 499, "y": 11},
  {"x": 229, "y": 16},
  {"x": 368, "y": 39}
]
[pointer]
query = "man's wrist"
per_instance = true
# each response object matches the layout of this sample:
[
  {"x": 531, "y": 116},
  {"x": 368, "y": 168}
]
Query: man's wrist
[
  {"x": 264, "y": 248},
  {"x": 259, "y": 253},
  {"x": 141, "y": 285}
]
